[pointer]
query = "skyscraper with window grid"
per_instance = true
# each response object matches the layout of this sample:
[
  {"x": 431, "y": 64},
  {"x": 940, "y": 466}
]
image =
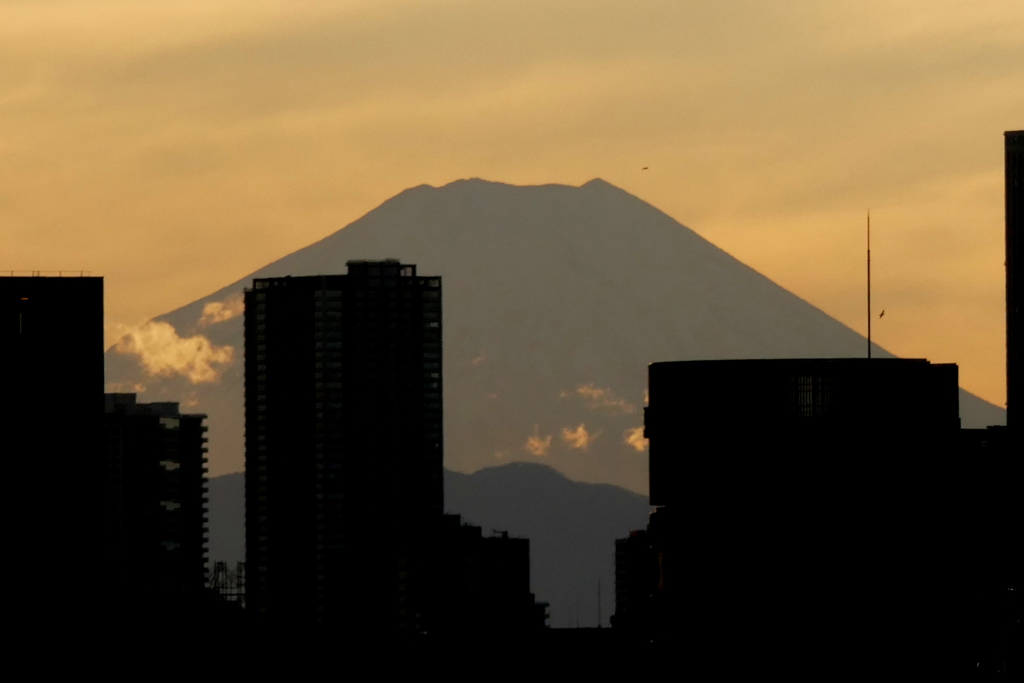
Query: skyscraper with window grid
[{"x": 343, "y": 445}]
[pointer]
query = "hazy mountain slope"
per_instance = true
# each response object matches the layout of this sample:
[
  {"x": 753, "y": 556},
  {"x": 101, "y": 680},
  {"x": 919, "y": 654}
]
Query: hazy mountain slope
[
  {"x": 227, "y": 518},
  {"x": 572, "y": 527},
  {"x": 547, "y": 289}
]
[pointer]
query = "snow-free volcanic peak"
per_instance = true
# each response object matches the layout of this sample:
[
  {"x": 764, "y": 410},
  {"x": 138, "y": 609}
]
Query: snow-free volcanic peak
[{"x": 555, "y": 299}]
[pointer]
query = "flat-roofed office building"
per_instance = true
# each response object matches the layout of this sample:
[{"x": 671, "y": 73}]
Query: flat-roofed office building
[{"x": 813, "y": 512}]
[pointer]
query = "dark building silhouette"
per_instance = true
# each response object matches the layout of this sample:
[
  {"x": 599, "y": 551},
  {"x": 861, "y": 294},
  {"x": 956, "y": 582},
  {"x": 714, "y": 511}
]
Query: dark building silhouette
[
  {"x": 479, "y": 586},
  {"x": 637, "y": 582},
  {"x": 51, "y": 414},
  {"x": 156, "y": 466},
  {"x": 812, "y": 515},
  {"x": 989, "y": 483},
  {"x": 343, "y": 446},
  {"x": 808, "y": 403},
  {"x": 227, "y": 583},
  {"x": 992, "y": 472},
  {"x": 1014, "y": 275}
]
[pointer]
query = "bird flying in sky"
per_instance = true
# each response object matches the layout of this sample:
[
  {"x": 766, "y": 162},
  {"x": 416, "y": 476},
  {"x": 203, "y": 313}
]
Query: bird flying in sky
[{"x": 882, "y": 313}]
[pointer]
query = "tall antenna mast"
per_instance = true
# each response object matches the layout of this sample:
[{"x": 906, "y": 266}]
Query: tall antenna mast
[{"x": 869, "y": 284}]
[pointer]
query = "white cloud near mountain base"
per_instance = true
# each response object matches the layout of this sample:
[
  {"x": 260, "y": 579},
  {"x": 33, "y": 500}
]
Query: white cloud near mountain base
[
  {"x": 539, "y": 445},
  {"x": 125, "y": 387},
  {"x": 162, "y": 353},
  {"x": 219, "y": 311},
  {"x": 578, "y": 438},
  {"x": 635, "y": 437}
]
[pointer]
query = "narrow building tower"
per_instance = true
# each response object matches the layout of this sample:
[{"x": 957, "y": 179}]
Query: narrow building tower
[
  {"x": 1014, "y": 275},
  {"x": 343, "y": 446}
]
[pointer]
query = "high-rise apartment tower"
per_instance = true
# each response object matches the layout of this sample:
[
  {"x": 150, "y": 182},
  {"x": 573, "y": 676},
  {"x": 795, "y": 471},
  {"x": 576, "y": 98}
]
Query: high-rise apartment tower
[
  {"x": 343, "y": 429},
  {"x": 156, "y": 463}
]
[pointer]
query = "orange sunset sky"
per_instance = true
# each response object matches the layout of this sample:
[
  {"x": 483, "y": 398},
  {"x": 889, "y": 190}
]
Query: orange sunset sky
[{"x": 173, "y": 146}]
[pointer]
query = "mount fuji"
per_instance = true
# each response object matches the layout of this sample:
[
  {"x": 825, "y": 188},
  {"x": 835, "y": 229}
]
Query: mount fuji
[{"x": 555, "y": 299}]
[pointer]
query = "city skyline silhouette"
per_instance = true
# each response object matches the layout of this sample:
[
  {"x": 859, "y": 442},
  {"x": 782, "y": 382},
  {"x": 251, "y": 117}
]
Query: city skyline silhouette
[{"x": 650, "y": 410}]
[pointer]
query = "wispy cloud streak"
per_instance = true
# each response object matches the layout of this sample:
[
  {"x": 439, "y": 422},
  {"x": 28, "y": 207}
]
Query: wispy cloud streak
[{"x": 604, "y": 400}]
